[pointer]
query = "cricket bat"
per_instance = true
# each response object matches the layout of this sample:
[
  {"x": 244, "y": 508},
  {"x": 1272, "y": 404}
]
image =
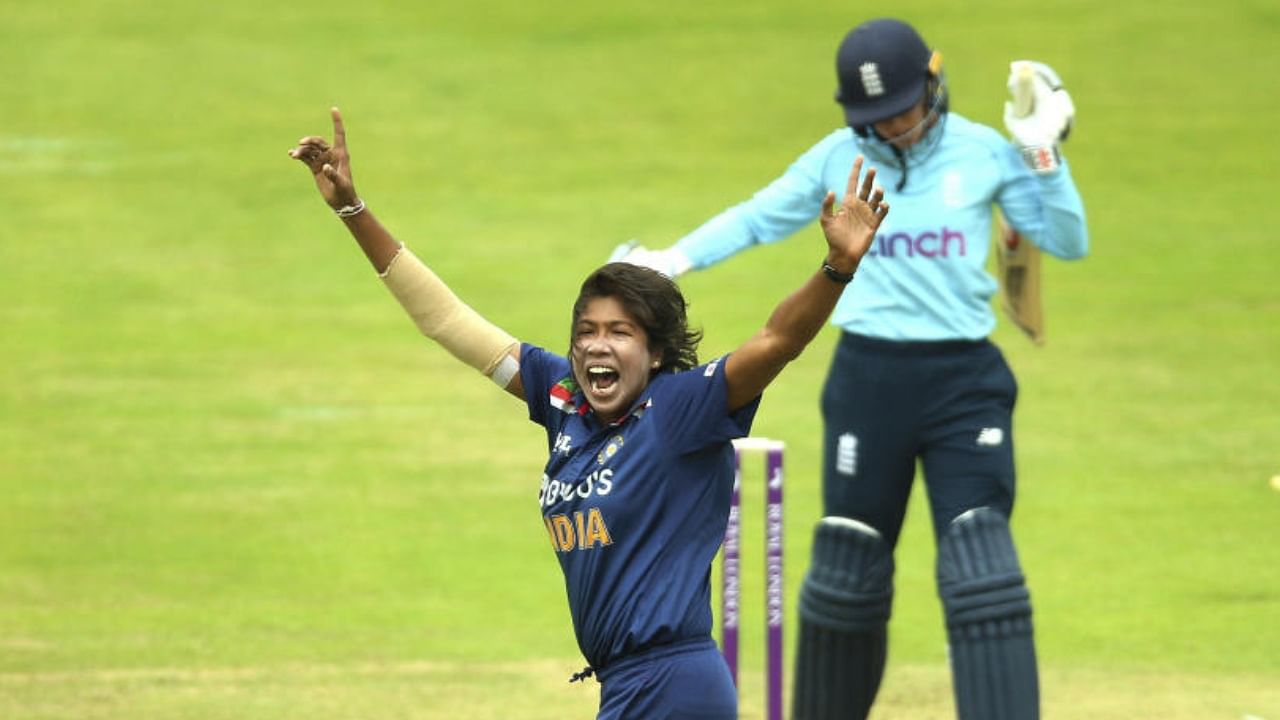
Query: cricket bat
[{"x": 1017, "y": 259}]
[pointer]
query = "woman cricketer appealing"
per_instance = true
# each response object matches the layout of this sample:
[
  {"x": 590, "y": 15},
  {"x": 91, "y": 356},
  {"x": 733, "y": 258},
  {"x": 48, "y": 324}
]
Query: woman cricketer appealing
[
  {"x": 635, "y": 494},
  {"x": 915, "y": 379}
]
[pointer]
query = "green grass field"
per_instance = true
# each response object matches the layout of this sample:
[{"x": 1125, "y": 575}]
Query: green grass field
[{"x": 236, "y": 484}]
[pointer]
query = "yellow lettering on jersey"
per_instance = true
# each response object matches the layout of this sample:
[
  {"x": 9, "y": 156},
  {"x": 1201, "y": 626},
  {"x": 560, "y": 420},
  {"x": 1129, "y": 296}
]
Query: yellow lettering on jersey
[
  {"x": 564, "y": 532},
  {"x": 597, "y": 532},
  {"x": 585, "y": 531},
  {"x": 551, "y": 533}
]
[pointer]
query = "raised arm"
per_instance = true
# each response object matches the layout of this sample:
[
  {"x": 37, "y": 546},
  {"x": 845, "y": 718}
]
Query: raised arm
[
  {"x": 775, "y": 212},
  {"x": 1044, "y": 205},
  {"x": 432, "y": 306},
  {"x": 849, "y": 230}
]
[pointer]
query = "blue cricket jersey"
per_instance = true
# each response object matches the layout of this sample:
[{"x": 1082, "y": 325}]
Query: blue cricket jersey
[
  {"x": 636, "y": 510},
  {"x": 925, "y": 276}
]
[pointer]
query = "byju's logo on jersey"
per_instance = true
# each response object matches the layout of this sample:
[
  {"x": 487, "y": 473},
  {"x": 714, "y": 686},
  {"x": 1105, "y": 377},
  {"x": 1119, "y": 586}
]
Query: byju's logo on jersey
[{"x": 598, "y": 482}]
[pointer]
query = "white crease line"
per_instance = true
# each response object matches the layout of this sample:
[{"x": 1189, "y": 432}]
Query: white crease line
[{"x": 419, "y": 667}]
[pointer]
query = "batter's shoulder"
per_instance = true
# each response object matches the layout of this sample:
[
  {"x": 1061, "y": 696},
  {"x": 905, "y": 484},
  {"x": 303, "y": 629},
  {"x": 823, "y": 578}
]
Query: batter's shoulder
[
  {"x": 966, "y": 131},
  {"x": 838, "y": 146},
  {"x": 840, "y": 138}
]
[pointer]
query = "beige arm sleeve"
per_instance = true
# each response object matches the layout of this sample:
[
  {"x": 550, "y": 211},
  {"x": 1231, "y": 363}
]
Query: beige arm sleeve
[{"x": 443, "y": 317}]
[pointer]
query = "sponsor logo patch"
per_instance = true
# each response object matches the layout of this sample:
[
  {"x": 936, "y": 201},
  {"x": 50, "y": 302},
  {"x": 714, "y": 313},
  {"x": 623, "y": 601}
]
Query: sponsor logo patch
[
  {"x": 563, "y": 445},
  {"x": 990, "y": 437},
  {"x": 930, "y": 244}
]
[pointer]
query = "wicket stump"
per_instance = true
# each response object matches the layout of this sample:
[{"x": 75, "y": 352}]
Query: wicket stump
[{"x": 730, "y": 578}]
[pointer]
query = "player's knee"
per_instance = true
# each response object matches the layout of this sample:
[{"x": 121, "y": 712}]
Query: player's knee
[
  {"x": 979, "y": 577},
  {"x": 849, "y": 586}
]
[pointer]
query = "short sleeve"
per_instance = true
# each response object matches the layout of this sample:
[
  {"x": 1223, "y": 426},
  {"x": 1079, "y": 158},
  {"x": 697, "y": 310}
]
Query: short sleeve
[
  {"x": 693, "y": 407},
  {"x": 539, "y": 371}
]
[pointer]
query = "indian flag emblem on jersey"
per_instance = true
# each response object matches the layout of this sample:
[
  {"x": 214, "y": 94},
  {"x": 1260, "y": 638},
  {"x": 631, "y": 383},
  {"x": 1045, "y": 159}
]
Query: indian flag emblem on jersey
[
  {"x": 615, "y": 443},
  {"x": 562, "y": 395}
]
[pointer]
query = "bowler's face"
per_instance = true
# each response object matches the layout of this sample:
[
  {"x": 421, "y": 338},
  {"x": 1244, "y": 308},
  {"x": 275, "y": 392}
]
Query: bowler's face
[{"x": 611, "y": 357}]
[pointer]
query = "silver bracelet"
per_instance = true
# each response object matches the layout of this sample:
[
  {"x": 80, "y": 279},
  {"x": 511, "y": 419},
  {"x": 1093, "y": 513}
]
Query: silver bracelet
[
  {"x": 347, "y": 211},
  {"x": 835, "y": 275}
]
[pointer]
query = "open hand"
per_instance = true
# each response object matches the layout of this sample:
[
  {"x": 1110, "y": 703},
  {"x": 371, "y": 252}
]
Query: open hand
[
  {"x": 330, "y": 166},
  {"x": 852, "y": 226}
]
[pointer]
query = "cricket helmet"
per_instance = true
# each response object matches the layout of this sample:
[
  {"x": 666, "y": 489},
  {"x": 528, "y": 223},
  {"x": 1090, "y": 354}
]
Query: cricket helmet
[{"x": 884, "y": 68}]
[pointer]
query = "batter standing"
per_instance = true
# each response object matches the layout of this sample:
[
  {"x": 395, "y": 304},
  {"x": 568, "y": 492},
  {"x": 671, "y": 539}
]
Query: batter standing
[
  {"x": 914, "y": 378},
  {"x": 635, "y": 495}
]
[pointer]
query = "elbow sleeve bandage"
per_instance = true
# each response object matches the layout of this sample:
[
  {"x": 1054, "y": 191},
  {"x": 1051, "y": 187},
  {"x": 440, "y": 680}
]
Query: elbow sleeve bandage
[{"x": 441, "y": 316}]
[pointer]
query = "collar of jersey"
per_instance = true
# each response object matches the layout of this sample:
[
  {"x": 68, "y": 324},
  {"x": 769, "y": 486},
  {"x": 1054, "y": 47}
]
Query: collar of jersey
[
  {"x": 881, "y": 152},
  {"x": 569, "y": 398}
]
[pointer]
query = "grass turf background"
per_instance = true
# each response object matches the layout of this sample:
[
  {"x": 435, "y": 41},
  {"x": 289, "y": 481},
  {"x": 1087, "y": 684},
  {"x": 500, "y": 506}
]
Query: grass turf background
[{"x": 236, "y": 484}]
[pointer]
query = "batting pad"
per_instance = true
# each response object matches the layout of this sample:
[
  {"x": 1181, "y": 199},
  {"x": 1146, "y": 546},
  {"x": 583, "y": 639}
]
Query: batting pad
[
  {"x": 845, "y": 604},
  {"x": 988, "y": 612}
]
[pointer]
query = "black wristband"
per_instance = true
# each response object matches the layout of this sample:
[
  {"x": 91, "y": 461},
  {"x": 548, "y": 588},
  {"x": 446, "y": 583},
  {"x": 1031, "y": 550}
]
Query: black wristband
[{"x": 835, "y": 275}]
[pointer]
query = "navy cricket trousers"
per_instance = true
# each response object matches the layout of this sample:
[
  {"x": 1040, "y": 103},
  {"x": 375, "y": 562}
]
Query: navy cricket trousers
[
  {"x": 687, "y": 680},
  {"x": 887, "y": 405}
]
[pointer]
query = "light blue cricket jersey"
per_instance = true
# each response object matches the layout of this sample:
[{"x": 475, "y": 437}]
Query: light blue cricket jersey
[
  {"x": 636, "y": 510},
  {"x": 925, "y": 276}
]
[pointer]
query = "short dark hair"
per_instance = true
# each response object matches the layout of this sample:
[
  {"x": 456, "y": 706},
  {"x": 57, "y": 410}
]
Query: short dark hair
[{"x": 654, "y": 301}]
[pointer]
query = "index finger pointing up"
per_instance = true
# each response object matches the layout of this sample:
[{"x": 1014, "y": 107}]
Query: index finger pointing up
[{"x": 339, "y": 133}]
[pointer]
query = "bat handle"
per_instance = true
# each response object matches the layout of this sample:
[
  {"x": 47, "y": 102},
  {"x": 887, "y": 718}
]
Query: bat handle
[{"x": 1023, "y": 89}]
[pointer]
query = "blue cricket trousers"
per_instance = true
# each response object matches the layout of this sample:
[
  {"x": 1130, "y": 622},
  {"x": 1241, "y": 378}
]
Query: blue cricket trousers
[
  {"x": 887, "y": 405},
  {"x": 687, "y": 680}
]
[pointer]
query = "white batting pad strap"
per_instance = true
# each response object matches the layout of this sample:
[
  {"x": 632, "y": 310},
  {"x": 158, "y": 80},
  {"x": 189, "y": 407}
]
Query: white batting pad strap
[
  {"x": 850, "y": 524},
  {"x": 441, "y": 316}
]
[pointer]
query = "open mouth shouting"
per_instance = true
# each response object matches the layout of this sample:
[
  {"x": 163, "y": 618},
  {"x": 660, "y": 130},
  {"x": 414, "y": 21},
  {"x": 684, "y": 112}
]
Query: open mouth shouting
[
  {"x": 611, "y": 357},
  {"x": 603, "y": 380}
]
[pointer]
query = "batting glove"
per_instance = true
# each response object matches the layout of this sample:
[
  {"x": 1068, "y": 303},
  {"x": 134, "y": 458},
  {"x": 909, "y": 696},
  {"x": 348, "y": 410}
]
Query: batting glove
[
  {"x": 670, "y": 262},
  {"x": 1047, "y": 122}
]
